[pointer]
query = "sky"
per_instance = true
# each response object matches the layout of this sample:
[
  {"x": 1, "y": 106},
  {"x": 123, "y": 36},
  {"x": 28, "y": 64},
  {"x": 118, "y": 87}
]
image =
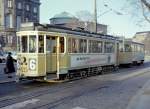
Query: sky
[{"x": 121, "y": 25}]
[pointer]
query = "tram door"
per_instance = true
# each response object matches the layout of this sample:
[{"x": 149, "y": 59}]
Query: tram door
[{"x": 51, "y": 54}]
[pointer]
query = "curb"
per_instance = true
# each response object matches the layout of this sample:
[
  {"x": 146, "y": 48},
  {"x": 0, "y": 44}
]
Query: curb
[
  {"x": 7, "y": 81},
  {"x": 140, "y": 100}
]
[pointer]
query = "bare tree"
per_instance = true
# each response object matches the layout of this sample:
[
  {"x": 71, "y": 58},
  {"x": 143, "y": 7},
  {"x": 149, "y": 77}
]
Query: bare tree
[
  {"x": 138, "y": 9},
  {"x": 146, "y": 9},
  {"x": 85, "y": 16}
]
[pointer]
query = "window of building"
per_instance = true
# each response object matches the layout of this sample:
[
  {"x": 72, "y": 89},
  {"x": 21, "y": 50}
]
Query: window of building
[
  {"x": 9, "y": 21},
  {"x": 18, "y": 22},
  {"x": 27, "y": 7},
  {"x": 19, "y": 5},
  {"x": 26, "y": 19},
  {"x": 10, "y": 4},
  {"x": 109, "y": 47},
  {"x": 35, "y": 9}
]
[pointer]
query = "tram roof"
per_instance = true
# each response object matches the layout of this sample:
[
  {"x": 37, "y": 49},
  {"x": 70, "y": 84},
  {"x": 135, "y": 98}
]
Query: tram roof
[{"x": 55, "y": 28}]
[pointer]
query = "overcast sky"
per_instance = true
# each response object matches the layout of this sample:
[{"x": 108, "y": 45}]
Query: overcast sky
[{"x": 117, "y": 24}]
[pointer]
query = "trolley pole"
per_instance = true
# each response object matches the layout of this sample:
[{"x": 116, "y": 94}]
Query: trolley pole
[{"x": 95, "y": 15}]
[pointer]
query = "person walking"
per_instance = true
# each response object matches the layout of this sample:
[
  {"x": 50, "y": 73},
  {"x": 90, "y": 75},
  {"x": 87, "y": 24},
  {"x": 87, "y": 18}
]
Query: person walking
[{"x": 9, "y": 69}]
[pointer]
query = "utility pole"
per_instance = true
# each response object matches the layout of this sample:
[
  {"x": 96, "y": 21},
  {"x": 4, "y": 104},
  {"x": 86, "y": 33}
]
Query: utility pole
[{"x": 95, "y": 15}]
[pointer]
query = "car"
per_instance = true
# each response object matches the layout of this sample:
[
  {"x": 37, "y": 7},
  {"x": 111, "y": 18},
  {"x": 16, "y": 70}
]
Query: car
[{"x": 2, "y": 57}]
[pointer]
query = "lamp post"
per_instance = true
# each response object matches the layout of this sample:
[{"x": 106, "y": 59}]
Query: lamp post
[{"x": 95, "y": 15}]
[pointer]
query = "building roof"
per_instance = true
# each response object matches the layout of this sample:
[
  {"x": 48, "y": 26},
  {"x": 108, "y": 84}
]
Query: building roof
[
  {"x": 63, "y": 15},
  {"x": 143, "y": 32}
]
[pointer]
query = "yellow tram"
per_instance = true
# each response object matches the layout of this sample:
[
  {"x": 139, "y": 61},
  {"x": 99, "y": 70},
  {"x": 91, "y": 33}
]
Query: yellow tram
[
  {"x": 131, "y": 52},
  {"x": 46, "y": 51}
]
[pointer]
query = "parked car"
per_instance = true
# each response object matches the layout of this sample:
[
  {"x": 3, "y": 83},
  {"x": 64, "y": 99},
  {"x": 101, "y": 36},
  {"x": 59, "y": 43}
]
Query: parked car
[{"x": 2, "y": 57}]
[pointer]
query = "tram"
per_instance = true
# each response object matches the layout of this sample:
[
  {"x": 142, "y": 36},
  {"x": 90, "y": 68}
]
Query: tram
[
  {"x": 51, "y": 51},
  {"x": 131, "y": 52}
]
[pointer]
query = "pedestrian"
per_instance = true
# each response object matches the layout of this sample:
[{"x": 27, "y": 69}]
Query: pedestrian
[{"x": 9, "y": 69}]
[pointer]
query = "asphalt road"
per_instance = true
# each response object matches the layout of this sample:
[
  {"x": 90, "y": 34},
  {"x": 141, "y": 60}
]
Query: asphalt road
[{"x": 111, "y": 91}]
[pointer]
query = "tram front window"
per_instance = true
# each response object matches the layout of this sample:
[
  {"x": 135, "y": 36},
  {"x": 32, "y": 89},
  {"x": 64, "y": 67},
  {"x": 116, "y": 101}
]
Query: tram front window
[
  {"x": 32, "y": 44},
  {"x": 24, "y": 44},
  {"x": 41, "y": 44}
]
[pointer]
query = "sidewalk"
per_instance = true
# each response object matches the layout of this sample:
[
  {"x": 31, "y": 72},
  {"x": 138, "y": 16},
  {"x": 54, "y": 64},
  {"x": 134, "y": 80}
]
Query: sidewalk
[
  {"x": 142, "y": 99},
  {"x": 4, "y": 78}
]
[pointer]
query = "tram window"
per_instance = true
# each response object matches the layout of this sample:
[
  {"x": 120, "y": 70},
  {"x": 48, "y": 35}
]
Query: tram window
[
  {"x": 62, "y": 44},
  {"x": 127, "y": 48},
  {"x": 50, "y": 44},
  {"x": 109, "y": 47},
  {"x": 121, "y": 47},
  {"x": 95, "y": 46},
  {"x": 70, "y": 45},
  {"x": 75, "y": 43},
  {"x": 85, "y": 46},
  {"x": 24, "y": 44},
  {"x": 100, "y": 47},
  {"x": 32, "y": 44},
  {"x": 41, "y": 44},
  {"x": 18, "y": 44},
  {"x": 82, "y": 46}
]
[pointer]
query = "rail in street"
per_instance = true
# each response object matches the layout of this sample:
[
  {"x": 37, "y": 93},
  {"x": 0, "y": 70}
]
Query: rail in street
[{"x": 117, "y": 89}]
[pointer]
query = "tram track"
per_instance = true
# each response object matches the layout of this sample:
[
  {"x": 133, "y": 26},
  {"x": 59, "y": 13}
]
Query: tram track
[
  {"x": 12, "y": 100},
  {"x": 35, "y": 94}
]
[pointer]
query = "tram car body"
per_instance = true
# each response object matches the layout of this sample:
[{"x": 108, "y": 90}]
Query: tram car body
[
  {"x": 45, "y": 50},
  {"x": 130, "y": 52}
]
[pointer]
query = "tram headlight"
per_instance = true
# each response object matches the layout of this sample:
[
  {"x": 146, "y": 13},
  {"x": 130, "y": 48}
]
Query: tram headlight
[{"x": 32, "y": 64}]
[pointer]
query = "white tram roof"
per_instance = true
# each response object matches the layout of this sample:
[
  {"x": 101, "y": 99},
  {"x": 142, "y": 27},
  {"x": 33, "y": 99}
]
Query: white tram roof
[
  {"x": 129, "y": 41},
  {"x": 30, "y": 26}
]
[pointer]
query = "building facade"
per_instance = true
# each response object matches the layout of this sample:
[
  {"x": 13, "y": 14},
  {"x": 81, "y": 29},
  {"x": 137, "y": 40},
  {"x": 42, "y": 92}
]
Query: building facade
[
  {"x": 12, "y": 14},
  {"x": 143, "y": 37},
  {"x": 67, "y": 20}
]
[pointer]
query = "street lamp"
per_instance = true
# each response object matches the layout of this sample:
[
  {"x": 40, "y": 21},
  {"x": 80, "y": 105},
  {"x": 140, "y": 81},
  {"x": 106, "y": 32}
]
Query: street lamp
[{"x": 95, "y": 15}]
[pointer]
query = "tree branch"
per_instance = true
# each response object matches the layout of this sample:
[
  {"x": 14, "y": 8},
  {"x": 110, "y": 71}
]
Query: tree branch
[
  {"x": 144, "y": 12},
  {"x": 147, "y": 4}
]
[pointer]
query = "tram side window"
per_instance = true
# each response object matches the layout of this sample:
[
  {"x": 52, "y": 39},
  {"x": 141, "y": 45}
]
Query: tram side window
[
  {"x": 109, "y": 47},
  {"x": 127, "y": 48},
  {"x": 24, "y": 43},
  {"x": 61, "y": 44},
  {"x": 121, "y": 47},
  {"x": 82, "y": 46},
  {"x": 32, "y": 44},
  {"x": 70, "y": 45},
  {"x": 74, "y": 45},
  {"x": 50, "y": 44},
  {"x": 95, "y": 46},
  {"x": 41, "y": 44}
]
